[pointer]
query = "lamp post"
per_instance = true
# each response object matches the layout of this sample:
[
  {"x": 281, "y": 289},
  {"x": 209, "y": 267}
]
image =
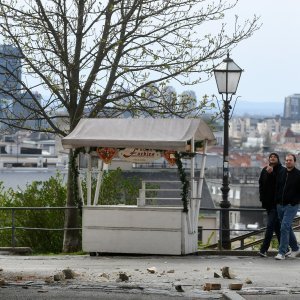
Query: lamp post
[{"x": 227, "y": 75}]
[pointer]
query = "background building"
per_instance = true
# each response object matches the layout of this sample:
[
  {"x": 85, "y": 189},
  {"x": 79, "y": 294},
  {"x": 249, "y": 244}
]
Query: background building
[
  {"x": 10, "y": 70},
  {"x": 16, "y": 105},
  {"x": 292, "y": 107}
]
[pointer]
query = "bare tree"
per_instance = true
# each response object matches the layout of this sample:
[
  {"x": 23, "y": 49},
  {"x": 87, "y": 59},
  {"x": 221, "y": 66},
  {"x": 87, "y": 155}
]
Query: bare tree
[{"x": 94, "y": 58}]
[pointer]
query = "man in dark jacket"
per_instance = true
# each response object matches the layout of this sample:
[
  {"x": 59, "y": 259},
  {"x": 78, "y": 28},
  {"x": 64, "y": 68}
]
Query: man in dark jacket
[
  {"x": 267, "y": 187},
  {"x": 288, "y": 199}
]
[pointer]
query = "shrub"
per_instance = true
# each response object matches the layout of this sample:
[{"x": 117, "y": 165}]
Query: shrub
[
  {"x": 51, "y": 193},
  {"x": 115, "y": 188}
]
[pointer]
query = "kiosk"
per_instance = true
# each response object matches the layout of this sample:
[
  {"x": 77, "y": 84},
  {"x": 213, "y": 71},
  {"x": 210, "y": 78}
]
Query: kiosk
[{"x": 139, "y": 229}]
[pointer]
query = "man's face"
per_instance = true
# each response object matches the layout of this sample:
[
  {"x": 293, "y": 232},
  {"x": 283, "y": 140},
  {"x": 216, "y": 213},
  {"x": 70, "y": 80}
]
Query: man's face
[
  {"x": 273, "y": 160},
  {"x": 289, "y": 162}
]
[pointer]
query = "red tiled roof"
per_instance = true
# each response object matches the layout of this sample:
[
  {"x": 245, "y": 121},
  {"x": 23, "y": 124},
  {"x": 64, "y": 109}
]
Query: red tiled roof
[{"x": 289, "y": 133}]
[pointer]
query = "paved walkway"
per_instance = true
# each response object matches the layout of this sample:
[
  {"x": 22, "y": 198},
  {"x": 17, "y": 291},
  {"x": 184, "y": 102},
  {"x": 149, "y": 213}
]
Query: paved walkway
[{"x": 163, "y": 276}]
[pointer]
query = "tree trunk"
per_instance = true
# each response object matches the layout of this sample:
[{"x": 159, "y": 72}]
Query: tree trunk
[{"x": 72, "y": 237}]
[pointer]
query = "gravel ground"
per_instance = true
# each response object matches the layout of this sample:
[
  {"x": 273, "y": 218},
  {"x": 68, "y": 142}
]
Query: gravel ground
[{"x": 149, "y": 276}]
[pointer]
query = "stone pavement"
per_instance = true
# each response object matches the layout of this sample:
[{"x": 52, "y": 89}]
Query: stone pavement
[{"x": 165, "y": 277}]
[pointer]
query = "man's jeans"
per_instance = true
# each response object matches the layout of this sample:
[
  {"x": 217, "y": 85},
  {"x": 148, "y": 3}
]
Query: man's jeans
[
  {"x": 273, "y": 225},
  {"x": 286, "y": 214}
]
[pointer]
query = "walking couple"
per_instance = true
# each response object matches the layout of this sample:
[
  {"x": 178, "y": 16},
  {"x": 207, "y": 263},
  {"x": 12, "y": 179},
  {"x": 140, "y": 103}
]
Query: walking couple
[{"x": 279, "y": 191}]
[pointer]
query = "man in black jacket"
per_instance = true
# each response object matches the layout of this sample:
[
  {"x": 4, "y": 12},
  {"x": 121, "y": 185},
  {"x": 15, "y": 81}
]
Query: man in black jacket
[
  {"x": 267, "y": 187},
  {"x": 288, "y": 199}
]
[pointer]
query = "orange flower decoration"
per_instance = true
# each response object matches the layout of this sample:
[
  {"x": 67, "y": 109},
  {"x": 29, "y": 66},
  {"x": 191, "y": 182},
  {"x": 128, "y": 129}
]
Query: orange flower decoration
[
  {"x": 106, "y": 154},
  {"x": 169, "y": 155}
]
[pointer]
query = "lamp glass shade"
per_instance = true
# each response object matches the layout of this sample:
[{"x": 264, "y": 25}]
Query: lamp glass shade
[{"x": 227, "y": 75}]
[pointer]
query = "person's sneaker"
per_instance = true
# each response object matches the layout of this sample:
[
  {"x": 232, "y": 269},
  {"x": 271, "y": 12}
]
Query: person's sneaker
[
  {"x": 288, "y": 252},
  {"x": 295, "y": 253},
  {"x": 262, "y": 254},
  {"x": 280, "y": 256}
]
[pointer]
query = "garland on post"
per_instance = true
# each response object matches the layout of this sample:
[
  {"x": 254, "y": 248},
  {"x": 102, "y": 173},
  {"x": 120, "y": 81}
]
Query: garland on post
[
  {"x": 184, "y": 181},
  {"x": 183, "y": 177}
]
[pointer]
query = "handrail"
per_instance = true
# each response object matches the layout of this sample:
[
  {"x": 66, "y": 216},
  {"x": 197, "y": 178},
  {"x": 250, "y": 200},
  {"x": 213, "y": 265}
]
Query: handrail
[
  {"x": 240, "y": 238},
  {"x": 13, "y": 227}
]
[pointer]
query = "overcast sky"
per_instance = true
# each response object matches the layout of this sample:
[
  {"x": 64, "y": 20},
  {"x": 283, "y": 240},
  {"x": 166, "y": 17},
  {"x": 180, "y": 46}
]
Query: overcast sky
[{"x": 271, "y": 57}]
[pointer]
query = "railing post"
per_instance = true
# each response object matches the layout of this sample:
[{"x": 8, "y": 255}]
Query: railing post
[
  {"x": 220, "y": 229},
  {"x": 242, "y": 244},
  {"x": 13, "y": 240},
  {"x": 142, "y": 195}
]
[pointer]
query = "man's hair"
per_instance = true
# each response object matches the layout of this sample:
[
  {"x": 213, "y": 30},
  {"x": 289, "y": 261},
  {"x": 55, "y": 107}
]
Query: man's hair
[{"x": 274, "y": 154}]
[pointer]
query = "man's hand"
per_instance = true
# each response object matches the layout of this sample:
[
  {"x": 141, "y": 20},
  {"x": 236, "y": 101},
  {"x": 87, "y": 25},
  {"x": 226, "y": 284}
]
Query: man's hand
[{"x": 269, "y": 169}]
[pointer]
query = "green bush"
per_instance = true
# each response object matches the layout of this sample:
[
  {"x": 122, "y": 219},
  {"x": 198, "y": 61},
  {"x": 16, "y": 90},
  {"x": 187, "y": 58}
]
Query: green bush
[
  {"x": 115, "y": 188},
  {"x": 51, "y": 193}
]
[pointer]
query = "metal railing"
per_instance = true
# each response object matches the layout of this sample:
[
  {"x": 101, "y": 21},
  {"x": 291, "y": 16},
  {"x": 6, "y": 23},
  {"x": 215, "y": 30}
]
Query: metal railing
[
  {"x": 241, "y": 239},
  {"x": 248, "y": 233},
  {"x": 13, "y": 226}
]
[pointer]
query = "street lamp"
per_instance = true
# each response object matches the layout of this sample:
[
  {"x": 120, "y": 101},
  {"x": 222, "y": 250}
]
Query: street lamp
[{"x": 227, "y": 75}]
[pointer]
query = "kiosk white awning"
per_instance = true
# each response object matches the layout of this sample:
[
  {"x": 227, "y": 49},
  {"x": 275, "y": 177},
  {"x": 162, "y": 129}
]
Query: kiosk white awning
[{"x": 163, "y": 134}]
